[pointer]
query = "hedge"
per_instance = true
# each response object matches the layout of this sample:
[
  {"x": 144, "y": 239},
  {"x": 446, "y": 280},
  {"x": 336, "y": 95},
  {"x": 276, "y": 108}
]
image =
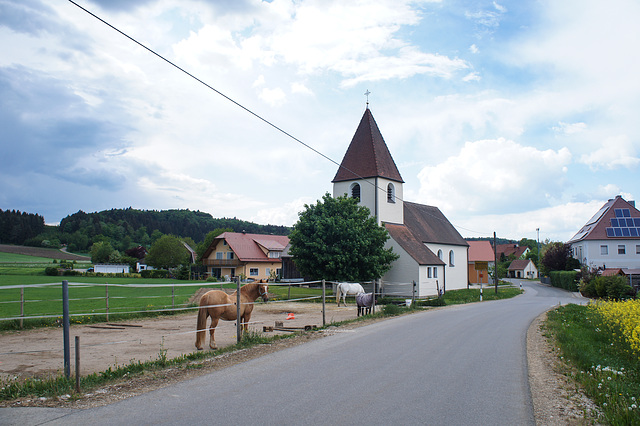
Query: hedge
[{"x": 567, "y": 280}]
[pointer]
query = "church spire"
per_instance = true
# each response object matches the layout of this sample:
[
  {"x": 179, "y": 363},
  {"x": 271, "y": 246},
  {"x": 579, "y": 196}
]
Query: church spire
[{"x": 367, "y": 155}]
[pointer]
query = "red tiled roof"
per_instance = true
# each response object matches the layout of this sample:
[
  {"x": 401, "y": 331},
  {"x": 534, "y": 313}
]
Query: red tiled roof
[
  {"x": 480, "y": 251},
  {"x": 510, "y": 249},
  {"x": 367, "y": 155},
  {"x": 247, "y": 246},
  {"x": 596, "y": 227}
]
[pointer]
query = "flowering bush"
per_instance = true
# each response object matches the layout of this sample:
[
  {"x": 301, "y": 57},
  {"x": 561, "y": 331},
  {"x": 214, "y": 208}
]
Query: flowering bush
[{"x": 624, "y": 320}]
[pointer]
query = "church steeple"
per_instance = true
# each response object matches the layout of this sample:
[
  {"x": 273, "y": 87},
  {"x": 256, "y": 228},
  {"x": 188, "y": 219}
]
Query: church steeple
[
  {"x": 368, "y": 173},
  {"x": 367, "y": 155}
]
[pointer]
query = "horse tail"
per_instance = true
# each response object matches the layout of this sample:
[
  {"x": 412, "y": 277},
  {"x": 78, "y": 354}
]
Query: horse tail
[{"x": 201, "y": 327}]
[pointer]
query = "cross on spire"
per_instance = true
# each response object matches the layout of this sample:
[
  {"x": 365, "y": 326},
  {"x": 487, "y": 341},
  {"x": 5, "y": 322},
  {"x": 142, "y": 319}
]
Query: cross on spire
[{"x": 367, "y": 93}]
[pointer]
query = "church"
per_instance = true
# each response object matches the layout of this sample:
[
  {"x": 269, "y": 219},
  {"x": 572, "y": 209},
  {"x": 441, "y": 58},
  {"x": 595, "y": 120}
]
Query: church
[{"x": 433, "y": 255}]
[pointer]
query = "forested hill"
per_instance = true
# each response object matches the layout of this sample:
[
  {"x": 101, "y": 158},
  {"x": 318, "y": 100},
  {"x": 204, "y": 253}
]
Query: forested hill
[
  {"x": 118, "y": 223},
  {"x": 122, "y": 228}
]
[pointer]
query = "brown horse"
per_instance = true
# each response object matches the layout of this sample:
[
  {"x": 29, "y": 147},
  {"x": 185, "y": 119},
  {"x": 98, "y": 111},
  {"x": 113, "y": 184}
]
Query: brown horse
[{"x": 219, "y": 305}]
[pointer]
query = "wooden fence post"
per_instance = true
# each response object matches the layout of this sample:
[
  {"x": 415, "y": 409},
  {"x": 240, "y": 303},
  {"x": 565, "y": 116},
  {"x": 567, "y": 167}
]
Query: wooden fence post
[
  {"x": 106, "y": 296},
  {"x": 238, "y": 323},
  {"x": 324, "y": 306}
]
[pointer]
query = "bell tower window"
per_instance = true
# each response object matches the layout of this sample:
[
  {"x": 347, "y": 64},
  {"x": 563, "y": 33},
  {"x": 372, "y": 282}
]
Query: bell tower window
[
  {"x": 391, "y": 193},
  {"x": 355, "y": 191}
]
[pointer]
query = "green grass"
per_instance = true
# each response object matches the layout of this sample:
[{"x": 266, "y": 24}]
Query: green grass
[
  {"x": 22, "y": 258},
  {"x": 456, "y": 297},
  {"x": 601, "y": 364}
]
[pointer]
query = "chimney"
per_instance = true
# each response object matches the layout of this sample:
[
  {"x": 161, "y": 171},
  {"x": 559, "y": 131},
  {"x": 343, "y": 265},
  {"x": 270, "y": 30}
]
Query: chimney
[{"x": 632, "y": 203}]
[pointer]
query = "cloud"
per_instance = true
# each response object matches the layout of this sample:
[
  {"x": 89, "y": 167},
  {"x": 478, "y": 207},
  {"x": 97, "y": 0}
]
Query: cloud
[
  {"x": 616, "y": 152},
  {"x": 274, "y": 97},
  {"x": 570, "y": 128},
  {"x": 495, "y": 174}
]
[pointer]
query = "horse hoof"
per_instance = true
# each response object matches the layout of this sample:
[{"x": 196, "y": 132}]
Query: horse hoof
[{"x": 199, "y": 349}]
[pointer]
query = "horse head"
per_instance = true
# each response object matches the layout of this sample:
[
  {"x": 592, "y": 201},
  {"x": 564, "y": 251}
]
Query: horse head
[{"x": 263, "y": 291}]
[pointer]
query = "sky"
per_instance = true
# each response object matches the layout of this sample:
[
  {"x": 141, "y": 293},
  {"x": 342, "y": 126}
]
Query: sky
[{"x": 509, "y": 116}]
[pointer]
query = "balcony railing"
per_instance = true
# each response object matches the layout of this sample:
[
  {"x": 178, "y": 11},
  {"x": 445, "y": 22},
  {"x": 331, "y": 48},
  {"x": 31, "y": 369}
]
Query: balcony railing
[{"x": 222, "y": 263}]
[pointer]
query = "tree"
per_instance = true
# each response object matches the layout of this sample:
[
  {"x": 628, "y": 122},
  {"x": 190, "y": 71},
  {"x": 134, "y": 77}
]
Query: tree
[
  {"x": 558, "y": 257},
  {"x": 101, "y": 251},
  {"x": 167, "y": 252},
  {"x": 337, "y": 239}
]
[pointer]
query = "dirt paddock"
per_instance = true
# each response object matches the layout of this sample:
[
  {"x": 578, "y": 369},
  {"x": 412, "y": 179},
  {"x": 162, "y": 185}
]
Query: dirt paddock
[{"x": 40, "y": 352}]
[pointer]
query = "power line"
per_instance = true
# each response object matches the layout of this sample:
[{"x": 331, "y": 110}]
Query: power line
[{"x": 256, "y": 115}]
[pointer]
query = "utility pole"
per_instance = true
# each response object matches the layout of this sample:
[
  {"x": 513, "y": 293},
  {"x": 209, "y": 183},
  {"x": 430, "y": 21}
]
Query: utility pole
[
  {"x": 538, "y": 265},
  {"x": 495, "y": 262}
]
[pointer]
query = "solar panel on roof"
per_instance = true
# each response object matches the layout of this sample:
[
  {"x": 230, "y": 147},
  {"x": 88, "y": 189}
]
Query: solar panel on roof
[{"x": 610, "y": 232}]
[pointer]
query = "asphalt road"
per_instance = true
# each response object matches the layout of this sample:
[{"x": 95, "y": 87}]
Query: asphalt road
[{"x": 459, "y": 365}]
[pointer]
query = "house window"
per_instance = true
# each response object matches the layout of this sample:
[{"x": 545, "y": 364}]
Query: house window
[
  {"x": 229, "y": 255},
  {"x": 440, "y": 254},
  {"x": 604, "y": 250},
  {"x": 435, "y": 272},
  {"x": 622, "y": 249},
  {"x": 219, "y": 255},
  {"x": 391, "y": 193},
  {"x": 637, "y": 248},
  {"x": 274, "y": 254},
  {"x": 267, "y": 272},
  {"x": 452, "y": 260},
  {"x": 355, "y": 191},
  {"x": 428, "y": 271},
  {"x": 279, "y": 272},
  {"x": 253, "y": 272}
]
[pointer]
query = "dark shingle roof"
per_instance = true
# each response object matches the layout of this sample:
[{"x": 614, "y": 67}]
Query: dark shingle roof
[
  {"x": 429, "y": 225},
  {"x": 367, "y": 155},
  {"x": 416, "y": 249}
]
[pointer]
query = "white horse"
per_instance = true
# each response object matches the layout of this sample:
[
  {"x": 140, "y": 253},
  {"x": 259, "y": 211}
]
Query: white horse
[{"x": 345, "y": 289}]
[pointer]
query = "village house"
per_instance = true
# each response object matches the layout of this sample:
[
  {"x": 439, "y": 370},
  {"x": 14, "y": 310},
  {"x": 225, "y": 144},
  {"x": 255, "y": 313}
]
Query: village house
[
  {"x": 610, "y": 239},
  {"x": 481, "y": 260},
  {"x": 513, "y": 250},
  {"x": 522, "y": 268},
  {"x": 252, "y": 256},
  {"x": 433, "y": 255}
]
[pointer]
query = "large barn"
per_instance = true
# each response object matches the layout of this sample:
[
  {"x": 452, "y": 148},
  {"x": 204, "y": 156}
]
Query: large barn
[{"x": 433, "y": 255}]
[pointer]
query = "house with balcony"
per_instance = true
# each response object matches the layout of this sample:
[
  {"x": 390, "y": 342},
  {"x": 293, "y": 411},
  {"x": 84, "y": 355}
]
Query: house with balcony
[
  {"x": 252, "y": 256},
  {"x": 611, "y": 238}
]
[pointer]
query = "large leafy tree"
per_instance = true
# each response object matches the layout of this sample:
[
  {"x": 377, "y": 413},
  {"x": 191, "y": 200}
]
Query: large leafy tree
[
  {"x": 337, "y": 239},
  {"x": 101, "y": 252},
  {"x": 558, "y": 257},
  {"x": 167, "y": 252}
]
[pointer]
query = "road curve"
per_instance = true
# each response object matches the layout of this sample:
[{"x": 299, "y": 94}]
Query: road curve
[{"x": 459, "y": 365}]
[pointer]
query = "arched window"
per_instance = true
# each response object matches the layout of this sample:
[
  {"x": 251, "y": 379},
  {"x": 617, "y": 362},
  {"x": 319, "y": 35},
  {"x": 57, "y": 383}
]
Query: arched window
[
  {"x": 452, "y": 260},
  {"x": 440, "y": 254},
  {"x": 391, "y": 193},
  {"x": 355, "y": 191}
]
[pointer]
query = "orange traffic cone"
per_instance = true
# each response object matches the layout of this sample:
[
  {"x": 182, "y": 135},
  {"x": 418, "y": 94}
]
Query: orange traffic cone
[{"x": 290, "y": 316}]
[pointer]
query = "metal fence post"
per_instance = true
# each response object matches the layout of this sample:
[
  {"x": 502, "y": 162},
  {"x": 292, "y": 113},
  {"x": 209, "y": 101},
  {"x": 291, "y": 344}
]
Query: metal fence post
[
  {"x": 65, "y": 327},
  {"x": 173, "y": 297}
]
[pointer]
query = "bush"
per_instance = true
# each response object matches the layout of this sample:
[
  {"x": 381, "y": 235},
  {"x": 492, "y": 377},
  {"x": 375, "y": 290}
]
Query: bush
[
  {"x": 212, "y": 280},
  {"x": 155, "y": 273},
  {"x": 51, "y": 271},
  {"x": 567, "y": 280},
  {"x": 612, "y": 288}
]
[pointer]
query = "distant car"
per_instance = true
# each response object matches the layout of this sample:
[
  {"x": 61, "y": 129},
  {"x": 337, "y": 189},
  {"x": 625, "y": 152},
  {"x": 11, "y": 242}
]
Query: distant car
[{"x": 90, "y": 270}]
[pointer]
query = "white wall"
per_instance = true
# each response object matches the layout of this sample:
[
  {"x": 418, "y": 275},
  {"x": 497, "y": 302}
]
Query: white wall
[
  {"x": 111, "y": 268},
  {"x": 592, "y": 257},
  {"x": 455, "y": 277}
]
